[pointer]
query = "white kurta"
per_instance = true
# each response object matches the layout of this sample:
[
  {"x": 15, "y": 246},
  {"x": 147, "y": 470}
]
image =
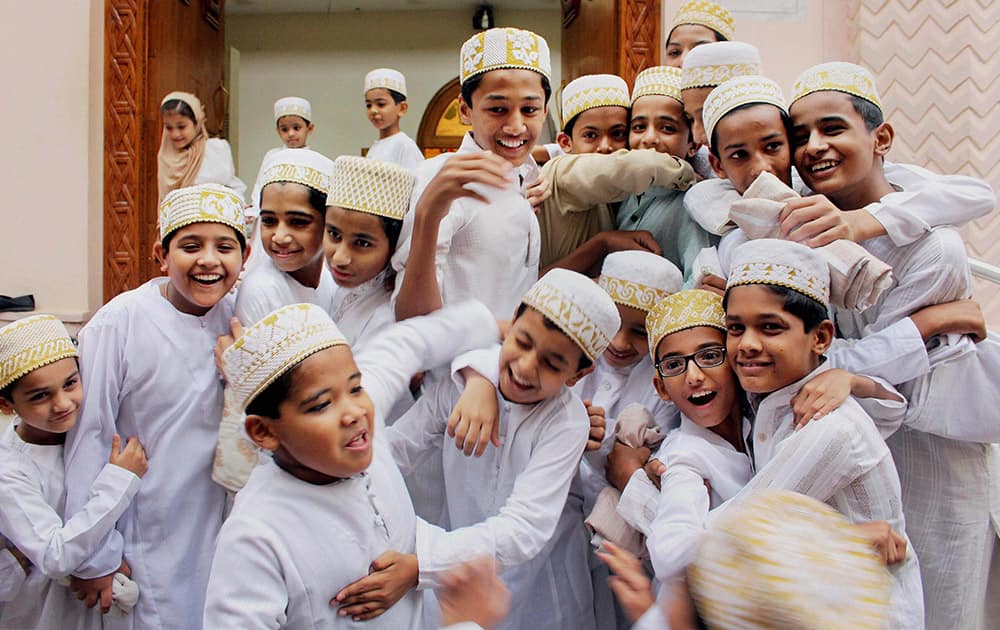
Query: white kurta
[
  {"x": 363, "y": 311},
  {"x": 217, "y": 167},
  {"x": 397, "y": 149},
  {"x": 266, "y": 288},
  {"x": 476, "y": 240},
  {"x": 148, "y": 371},
  {"x": 511, "y": 502},
  {"x": 289, "y": 546},
  {"x": 33, "y": 495}
]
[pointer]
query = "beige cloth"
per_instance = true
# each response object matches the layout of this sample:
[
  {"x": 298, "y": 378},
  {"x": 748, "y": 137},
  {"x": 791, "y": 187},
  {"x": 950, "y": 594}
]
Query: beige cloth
[
  {"x": 635, "y": 428},
  {"x": 178, "y": 168},
  {"x": 857, "y": 278}
]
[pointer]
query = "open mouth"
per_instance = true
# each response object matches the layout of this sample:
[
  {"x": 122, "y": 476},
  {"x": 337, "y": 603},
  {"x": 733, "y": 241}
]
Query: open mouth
[
  {"x": 825, "y": 165},
  {"x": 701, "y": 399},
  {"x": 620, "y": 355},
  {"x": 512, "y": 144},
  {"x": 359, "y": 442},
  {"x": 284, "y": 253},
  {"x": 208, "y": 279},
  {"x": 518, "y": 383}
]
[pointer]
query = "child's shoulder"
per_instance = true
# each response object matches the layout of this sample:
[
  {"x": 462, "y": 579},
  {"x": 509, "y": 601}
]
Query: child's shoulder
[{"x": 121, "y": 307}]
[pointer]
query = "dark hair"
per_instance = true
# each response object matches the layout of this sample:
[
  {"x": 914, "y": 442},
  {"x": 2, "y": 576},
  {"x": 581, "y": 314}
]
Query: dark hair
[
  {"x": 307, "y": 121},
  {"x": 240, "y": 236},
  {"x": 266, "y": 403},
  {"x": 397, "y": 97},
  {"x": 472, "y": 84},
  {"x": 178, "y": 106},
  {"x": 719, "y": 37},
  {"x": 585, "y": 361},
  {"x": 317, "y": 198},
  {"x": 392, "y": 229},
  {"x": 869, "y": 112},
  {"x": 785, "y": 119},
  {"x": 805, "y": 308},
  {"x": 568, "y": 127}
]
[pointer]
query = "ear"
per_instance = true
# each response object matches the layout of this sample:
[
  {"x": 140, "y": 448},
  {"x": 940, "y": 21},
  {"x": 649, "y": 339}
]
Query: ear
[
  {"x": 692, "y": 149},
  {"x": 7, "y": 407},
  {"x": 249, "y": 246},
  {"x": 717, "y": 166},
  {"x": 884, "y": 135},
  {"x": 403, "y": 108},
  {"x": 564, "y": 141},
  {"x": 310, "y": 127},
  {"x": 573, "y": 380},
  {"x": 464, "y": 111},
  {"x": 660, "y": 387},
  {"x": 261, "y": 432},
  {"x": 822, "y": 337},
  {"x": 160, "y": 256}
]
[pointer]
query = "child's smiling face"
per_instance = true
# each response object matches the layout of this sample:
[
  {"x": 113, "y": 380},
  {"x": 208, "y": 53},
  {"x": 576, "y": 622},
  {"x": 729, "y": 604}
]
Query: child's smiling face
[
  {"x": 291, "y": 231},
  {"x": 705, "y": 395},
  {"x": 180, "y": 129},
  {"x": 47, "y": 401},
  {"x": 203, "y": 263},
  {"x": 537, "y": 359},
  {"x": 631, "y": 343},
  {"x": 751, "y": 141},
  {"x": 507, "y": 113}
]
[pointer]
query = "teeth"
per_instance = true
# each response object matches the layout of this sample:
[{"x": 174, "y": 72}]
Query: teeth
[
  {"x": 512, "y": 144},
  {"x": 822, "y": 166},
  {"x": 702, "y": 394},
  {"x": 208, "y": 277}
]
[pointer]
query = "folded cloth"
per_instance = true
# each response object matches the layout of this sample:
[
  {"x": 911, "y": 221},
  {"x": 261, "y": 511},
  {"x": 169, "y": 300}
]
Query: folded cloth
[
  {"x": 19, "y": 304},
  {"x": 635, "y": 427},
  {"x": 857, "y": 278},
  {"x": 708, "y": 204},
  {"x": 706, "y": 263},
  {"x": 124, "y": 595},
  {"x": 235, "y": 455}
]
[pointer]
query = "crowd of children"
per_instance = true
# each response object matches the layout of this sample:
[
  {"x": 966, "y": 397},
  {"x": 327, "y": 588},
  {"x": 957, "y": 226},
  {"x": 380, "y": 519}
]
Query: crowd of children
[{"x": 715, "y": 364}]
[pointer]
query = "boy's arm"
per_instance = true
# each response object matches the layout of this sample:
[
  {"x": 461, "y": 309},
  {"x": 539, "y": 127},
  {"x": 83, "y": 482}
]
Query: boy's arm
[
  {"x": 679, "y": 521},
  {"x": 419, "y": 433}
]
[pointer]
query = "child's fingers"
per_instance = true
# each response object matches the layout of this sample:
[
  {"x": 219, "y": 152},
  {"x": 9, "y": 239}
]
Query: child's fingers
[
  {"x": 116, "y": 446},
  {"x": 485, "y": 437},
  {"x": 495, "y": 434},
  {"x": 106, "y": 600},
  {"x": 356, "y": 588},
  {"x": 236, "y": 327}
]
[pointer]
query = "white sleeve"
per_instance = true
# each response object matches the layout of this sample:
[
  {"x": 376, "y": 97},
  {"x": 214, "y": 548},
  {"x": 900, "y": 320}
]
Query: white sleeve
[
  {"x": 410, "y": 157},
  {"x": 679, "y": 522},
  {"x": 88, "y": 444},
  {"x": 637, "y": 504},
  {"x": 652, "y": 619},
  {"x": 896, "y": 353},
  {"x": 229, "y": 178},
  {"x": 419, "y": 432},
  {"x": 246, "y": 588},
  {"x": 446, "y": 231},
  {"x": 12, "y": 576},
  {"x": 255, "y": 298},
  {"x": 527, "y": 519},
  {"x": 54, "y": 548},
  {"x": 730, "y": 241},
  {"x": 888, "y": 414},
  {"x": 482, "y": 360}
]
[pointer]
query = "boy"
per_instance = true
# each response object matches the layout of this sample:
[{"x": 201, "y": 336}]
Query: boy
[
  {"x": 385, "y": 102},
  {"x": 512, "y": 501},
  {"x": 777, "y": 299},
  {"x": 483, "y": 222},
  {"x": 697, "y": 22},
  {"x": 148, "y": 370},
  {"x": 330, "y": 505},
  {"x": 707, "y": 67},
  {"x": 839, "y": 139},
  {"x": 40, "y": 387},
  {"x": 293, "y": 120}
]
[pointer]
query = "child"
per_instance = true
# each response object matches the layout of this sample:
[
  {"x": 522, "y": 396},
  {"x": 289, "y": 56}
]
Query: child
[
  {"x": 293, "y": 120},
  {"x": 148, "y": 370},
  {"x": 697, "y": 22},
  {"x": 839, "y": 139},
  {"x": 187, "y": 155},
  {"x": 294, "y": 185},
  {"x": 513, "y": 499},
  {"x": 706, "y": 68},
  {"x": 40, "y": 385},
  {"x": 482, "y": 222},
  {"x": 364, "y": 216},
  {"x": 777, "y": 298},
  {"x": 330, "y": 505},
  {"x": 385, "y": 100}
]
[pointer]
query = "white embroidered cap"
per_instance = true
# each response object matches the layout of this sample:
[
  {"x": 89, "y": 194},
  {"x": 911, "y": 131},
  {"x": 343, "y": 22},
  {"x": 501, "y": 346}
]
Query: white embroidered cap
[
  {"x": 779, "y": 559},
  {"x": 31, "y": 343},
  {"x": 706, "y": 13},
  {"x": 500, "y": 48},
  {"x": 274, "y": 345},
  {"x": 639, "y": 279},
  {"x": 839, "y": 76},
  {"x": 385, "y": 78},
  {"x": 683, "y": 310},
  {"x": 202, "y": 203},
  {"x": 784, "y": 264},
  {"x": 371, "y": 186},
  {"x": 709, "y": 65},
  {"x": 737, "y": 92},
  {"x": 579, "y": 307},
  {"x": 658, "y": 80},
  {"x": 593, "y": 90},
  {"x": 292, "y": 106},
  {"x": 301, "y": 166}
]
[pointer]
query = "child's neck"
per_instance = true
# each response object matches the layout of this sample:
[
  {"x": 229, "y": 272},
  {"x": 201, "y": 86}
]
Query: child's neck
[
  {"x": 302, "y": 473},
  {"x": 869, "y": 190},
  {"x": 731, "y": 429},
  {"x": 388, "y": 132},
  {"x": 31, "y": 435},
  {"x": 310, "y": 275}
]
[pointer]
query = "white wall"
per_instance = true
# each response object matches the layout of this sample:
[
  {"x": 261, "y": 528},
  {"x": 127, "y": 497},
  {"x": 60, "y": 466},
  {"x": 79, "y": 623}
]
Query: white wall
[
  {"x": 52, "y": 165},
  {"x": 324, "y": 58}
]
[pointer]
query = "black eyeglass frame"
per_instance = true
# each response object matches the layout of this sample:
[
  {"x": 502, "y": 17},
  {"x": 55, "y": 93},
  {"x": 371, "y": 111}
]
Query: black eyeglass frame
[{"x": 694, "y": 356}]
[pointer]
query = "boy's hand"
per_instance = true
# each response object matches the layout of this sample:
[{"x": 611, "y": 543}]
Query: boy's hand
[
  {"x": 821, "y": 395},
  {"x": 622, "y": 462},
  {"x": 473, "y": 592},
  {"x": 484, "y": 169},
  {"x": 390, "y": 577},
  {"x": 961, "y": 317},
  {"x": 629, "y": 582},
  {"x": 132, "y": 458},
  {"x": 597, "y": 424},
  {"x": 891, "y": 547},
  {"x": 224, "y": 341},
  {"x": 714, "y": 283},
  {"x": 538, "y": 192},
  {"x": 93, "y": 591},
  {"x": 21, "y": 559},
  {"x": 628, "y": 240},
  {"x": 654, "y": 470},
  {"x": 474, "y": 422},
  {"x": 815, "y": 221}
]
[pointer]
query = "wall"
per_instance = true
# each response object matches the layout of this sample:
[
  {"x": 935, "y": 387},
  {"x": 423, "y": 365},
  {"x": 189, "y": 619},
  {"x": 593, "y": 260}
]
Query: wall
[
  {"x": 324, "y": 58},
  {"x": 52, "y": 164}
]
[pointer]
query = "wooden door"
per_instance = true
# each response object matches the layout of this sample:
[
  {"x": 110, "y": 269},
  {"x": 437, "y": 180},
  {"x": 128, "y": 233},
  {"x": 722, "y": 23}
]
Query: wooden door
[
  {"x": 151, "y": 48},
  {"x": 610, "y": 36}
]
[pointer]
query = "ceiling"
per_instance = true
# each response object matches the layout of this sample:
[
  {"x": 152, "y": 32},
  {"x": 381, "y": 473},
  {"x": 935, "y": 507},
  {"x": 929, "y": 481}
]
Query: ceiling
[{"x": 257, "y": 7}]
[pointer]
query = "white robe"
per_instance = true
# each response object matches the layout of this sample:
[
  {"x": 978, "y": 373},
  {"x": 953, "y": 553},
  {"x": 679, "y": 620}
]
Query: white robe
[
  {"x": 397, "y": 149},
  {"x": 363, "y": 311},
  {"x": 514, "y": 502},
  {"x": 217, "y": 167},
  {"x": 266, "y": 288},
  {"x": 148, "y": 371},
  {"x": 33, "y": 494},
  {"x": 289, "y": 546}
]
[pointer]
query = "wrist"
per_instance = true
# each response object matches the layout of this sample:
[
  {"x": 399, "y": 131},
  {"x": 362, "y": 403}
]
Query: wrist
[{"x": 864, "y": 225}]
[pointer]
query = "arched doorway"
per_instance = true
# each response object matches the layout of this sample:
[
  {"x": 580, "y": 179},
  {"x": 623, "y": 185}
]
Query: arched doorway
[{"x": 441, "y": 128}]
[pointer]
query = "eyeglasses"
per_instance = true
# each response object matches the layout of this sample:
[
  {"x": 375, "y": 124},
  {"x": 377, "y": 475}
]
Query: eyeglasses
[{"x": 704, "y": 358}]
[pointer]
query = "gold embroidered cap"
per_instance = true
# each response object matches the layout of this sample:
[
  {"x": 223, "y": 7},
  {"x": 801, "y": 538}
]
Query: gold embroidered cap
[
  {"x": 371, "y": 186},
  {"x": 30, "y": 343},
  {"x": 683, "y": 310},
  {"x": 639, "y": 279},
  {"x": 385, "y": 78},
  {"x": 779, "y": 559},
  {"x": 736, "y": 93},
  {"x": 838, "y": 76},
  {"x": 593, "y": 90},
  {"x": 202, "y": 203},
  {"x": 784, "y": 264},
  {"x": 274, "y": 345},
  {"x": 709, "y": 65},
  {"x": 579, "y": 307},
  {"x": 658, "y": 80},
  {"x": 301, "y": 166},
  {"x": 706, "y": 13},
  {"x": 292, "y": 106},
  {"x": 500, "y": 48}
]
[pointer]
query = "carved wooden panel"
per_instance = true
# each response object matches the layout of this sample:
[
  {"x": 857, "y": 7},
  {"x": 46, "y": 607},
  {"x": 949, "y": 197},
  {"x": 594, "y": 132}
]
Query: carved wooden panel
[
  {"x": 611, "y": 36},
  {"x": 638, "y": 37}
]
